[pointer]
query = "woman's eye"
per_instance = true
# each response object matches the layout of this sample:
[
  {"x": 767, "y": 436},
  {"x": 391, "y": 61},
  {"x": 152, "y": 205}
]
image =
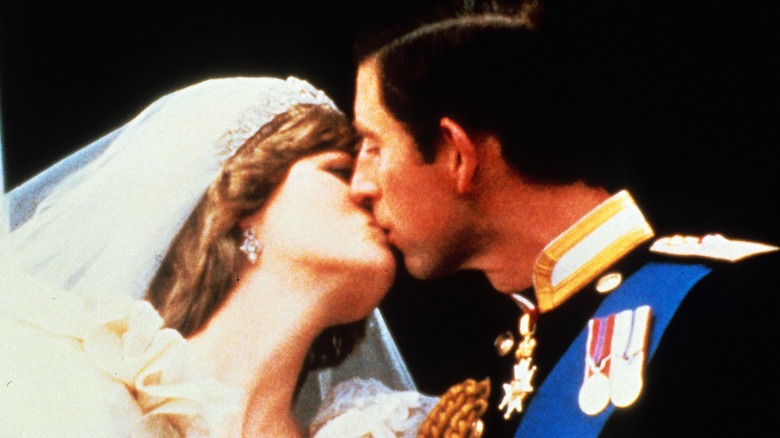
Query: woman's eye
[
  {"x": 338, "y": 163},
  {"x": 343, "y": 172}
]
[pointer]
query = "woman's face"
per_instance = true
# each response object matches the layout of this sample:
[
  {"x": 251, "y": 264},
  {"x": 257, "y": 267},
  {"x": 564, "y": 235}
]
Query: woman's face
[{"x": 311, "y": 221}]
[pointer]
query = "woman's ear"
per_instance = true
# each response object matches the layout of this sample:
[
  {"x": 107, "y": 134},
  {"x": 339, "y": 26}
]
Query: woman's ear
[
  {"x": 245, "y": 223},
  {"x": 252, "y": 221},
  {"x": 463, "y": 154}
]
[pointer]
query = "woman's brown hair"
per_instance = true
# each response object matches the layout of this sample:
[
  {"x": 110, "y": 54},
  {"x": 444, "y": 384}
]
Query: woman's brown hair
[{"x": 199, "y": 268}]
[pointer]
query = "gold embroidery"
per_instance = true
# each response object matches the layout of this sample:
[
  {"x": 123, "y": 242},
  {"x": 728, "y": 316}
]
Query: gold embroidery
[{"x": 549, "y": 295}]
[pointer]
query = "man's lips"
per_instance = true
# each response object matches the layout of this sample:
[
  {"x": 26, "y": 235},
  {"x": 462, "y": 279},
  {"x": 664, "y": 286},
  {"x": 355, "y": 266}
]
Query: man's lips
[
  {"x": 379, "y": 228},
  {"x": 384, "y": 229},
  {"x": 389, "y": 236}
]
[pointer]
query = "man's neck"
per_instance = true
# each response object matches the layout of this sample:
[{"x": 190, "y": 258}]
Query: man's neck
[{"x": 525, "y": 218}]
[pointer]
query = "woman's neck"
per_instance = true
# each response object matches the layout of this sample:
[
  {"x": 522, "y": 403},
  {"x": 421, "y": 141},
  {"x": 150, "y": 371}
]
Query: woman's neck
[{"x": 257, "y": 341}]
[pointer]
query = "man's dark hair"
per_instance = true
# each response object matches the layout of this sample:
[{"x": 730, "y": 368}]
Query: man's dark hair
[{"x": 552, "y": 108}]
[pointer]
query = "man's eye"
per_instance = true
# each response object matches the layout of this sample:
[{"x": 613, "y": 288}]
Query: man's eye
[
  {"x": 372, "y": 150},
  {"x": 369, "y": 147}
]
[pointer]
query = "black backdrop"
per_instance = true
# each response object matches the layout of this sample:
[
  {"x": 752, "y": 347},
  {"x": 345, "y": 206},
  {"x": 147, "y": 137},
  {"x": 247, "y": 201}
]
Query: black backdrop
[
  {"x": 73, "y": 71},
  {"x": 701, "y": 70}
]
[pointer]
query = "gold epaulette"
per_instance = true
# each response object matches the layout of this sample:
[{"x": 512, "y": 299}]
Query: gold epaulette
[
  {"x": 711, "y": 246},
  {"x": 458, "y": 412}
]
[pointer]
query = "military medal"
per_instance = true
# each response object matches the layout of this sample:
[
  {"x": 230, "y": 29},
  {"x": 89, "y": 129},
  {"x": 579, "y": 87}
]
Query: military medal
[
  {"x": 520, "y": 387},
  {"x": 594, "y": 393},
  {"x": 625, "y": 380},
  {"x": 614, "y": 360}
]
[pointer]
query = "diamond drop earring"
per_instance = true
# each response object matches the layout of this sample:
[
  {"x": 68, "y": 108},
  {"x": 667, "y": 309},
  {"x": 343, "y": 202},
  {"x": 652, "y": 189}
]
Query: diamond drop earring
[{"x": 251, "y": 247}]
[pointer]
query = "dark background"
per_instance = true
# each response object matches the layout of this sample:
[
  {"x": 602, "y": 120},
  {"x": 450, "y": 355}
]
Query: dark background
[
  {"x": 701, "y": 73},
  {"x": 72, "y": 71}
]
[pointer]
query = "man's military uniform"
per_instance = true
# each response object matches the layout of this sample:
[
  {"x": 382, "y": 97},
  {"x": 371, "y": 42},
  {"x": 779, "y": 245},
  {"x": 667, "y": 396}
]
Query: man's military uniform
[{"x": 641, "y": 335}]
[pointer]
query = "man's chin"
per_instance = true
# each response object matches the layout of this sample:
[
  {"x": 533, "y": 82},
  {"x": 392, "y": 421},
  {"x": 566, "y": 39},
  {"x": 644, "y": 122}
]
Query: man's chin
[
  {"x": 504, "y": 284},
  {"x": 425, "y": 270},
  {"x": 416, "y": 269}
]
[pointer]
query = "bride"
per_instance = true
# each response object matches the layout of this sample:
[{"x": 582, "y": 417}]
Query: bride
[{"x": 187, "y": 278}]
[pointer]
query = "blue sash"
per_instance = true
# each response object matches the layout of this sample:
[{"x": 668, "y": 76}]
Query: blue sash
[{"x": 554, "y": 410}]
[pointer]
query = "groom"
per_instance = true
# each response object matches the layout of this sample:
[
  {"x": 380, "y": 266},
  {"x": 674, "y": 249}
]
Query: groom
[{"x": 484, "y": 150}]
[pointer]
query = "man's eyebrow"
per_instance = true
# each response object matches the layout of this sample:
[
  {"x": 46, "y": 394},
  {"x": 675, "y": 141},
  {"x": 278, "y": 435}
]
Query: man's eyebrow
[
  {"x": 361, "y": 129},
  {"x": 361, "y": 132},
  {"x": 366, "y": 135}
]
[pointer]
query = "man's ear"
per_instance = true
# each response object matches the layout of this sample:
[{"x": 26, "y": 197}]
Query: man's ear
[{"x": 463, "y": 154}]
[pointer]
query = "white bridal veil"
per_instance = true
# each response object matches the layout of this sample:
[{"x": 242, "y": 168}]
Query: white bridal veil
[{"x": 98, "y": 222}]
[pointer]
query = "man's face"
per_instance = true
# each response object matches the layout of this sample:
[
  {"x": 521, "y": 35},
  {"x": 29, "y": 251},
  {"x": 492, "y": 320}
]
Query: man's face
[{"x": 413, "y": 201}]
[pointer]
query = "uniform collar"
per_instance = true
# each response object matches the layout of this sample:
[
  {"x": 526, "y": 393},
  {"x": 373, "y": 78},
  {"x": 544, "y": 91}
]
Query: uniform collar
[{"x": 578, "y": 255}]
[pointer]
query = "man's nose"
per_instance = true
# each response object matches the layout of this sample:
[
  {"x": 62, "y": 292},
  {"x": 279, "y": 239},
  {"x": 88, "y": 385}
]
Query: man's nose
[{"x": 362, "y": 189}]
